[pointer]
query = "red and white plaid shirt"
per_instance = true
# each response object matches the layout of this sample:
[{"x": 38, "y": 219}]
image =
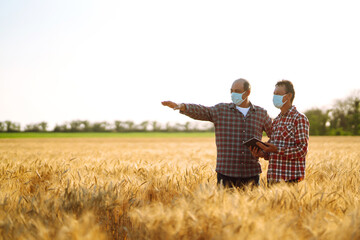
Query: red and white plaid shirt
[
  {"x": 232, "y": 129},
  {"x": 290, "y": 134}
]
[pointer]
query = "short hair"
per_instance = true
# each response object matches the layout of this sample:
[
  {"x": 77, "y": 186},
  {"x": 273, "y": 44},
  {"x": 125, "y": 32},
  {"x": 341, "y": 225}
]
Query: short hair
[
  {"x": 247, "y": 85},
  {"x": 289, "y": 87}
]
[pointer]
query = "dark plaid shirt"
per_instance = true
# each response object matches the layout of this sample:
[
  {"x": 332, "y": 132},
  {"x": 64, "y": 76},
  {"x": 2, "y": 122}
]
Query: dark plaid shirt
[
  {"x": 290, "y": 133},
  {"x": 231, "y": 130}
]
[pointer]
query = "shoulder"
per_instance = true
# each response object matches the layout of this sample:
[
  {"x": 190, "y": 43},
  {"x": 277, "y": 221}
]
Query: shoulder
[
  {"x": 300, "y": 117},
  {"x": 260, "y": 110},
  {"x": 225, "y": 106}
]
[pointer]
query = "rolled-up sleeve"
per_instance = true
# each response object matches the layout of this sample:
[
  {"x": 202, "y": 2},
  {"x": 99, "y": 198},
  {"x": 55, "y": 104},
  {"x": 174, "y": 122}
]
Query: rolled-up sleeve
[
  {"x": 301, "y": 140},
  {"x": 200, "y": 112}
]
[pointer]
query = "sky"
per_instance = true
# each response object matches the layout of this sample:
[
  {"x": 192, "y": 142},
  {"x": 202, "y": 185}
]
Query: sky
[{"x": 117, "y": 60}]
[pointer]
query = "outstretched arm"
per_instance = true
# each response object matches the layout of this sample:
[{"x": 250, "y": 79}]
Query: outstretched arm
[{"x": 194, "y": 111}]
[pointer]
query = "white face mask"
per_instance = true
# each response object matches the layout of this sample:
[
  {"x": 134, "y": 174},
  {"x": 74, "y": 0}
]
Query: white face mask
[
  {"x": 278, "y": 100},
  {"x": 237, "y": 98}
]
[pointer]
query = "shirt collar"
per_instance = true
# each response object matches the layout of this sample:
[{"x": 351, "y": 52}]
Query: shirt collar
[
  {"x": 252, "y": 107},
  {"x": 291, "y": 111}
]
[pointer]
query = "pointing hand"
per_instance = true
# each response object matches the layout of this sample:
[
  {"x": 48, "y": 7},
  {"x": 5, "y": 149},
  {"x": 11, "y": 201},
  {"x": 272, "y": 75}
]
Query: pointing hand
[{"x": 170, "y": 104}]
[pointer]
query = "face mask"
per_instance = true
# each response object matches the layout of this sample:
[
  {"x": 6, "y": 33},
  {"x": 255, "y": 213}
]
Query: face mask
[
  {"x": 237, "y": 98},
  {"x": 278, "y": 101}
]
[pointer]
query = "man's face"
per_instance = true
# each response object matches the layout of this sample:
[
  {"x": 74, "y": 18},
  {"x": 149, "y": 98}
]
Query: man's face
[{"x": 281, "y": 90}]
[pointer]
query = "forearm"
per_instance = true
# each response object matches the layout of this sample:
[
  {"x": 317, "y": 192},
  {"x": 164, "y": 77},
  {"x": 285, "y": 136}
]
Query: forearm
[
  {"x": 197, "y": 112},
  {"x": 294, "y": 152},
  {"x": 301, "y": 141}
]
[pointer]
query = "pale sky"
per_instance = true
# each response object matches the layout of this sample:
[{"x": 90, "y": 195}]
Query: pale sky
[{"x": 117, "y": 60}]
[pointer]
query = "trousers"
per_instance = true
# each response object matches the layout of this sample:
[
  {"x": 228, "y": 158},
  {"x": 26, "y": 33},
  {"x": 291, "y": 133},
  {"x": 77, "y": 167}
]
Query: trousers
[{"x": 239, "y": 182}]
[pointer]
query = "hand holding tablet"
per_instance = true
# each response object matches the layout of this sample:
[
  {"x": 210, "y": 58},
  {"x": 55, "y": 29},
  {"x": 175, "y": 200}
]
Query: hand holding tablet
[{"x": 252, "y": 143}]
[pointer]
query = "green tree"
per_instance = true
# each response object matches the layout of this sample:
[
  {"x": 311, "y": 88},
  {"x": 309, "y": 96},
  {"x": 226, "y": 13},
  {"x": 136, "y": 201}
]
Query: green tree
[
  {"x": 187, "y": 126},
  {"x": 32, "y": 128},
  {"x": 12, "y": 127},
  {"x": 130, "y": 126},
  {"x": 75, "y": 126},
  {"x": 100, "y": 127},
  {"x": 119, "y": 126},
  {"x": 354, "y": 112},
  {"x": 144, "y": 125},
  {"x": 2, "y": 127},
  {"x": 43, "y": 126},
  {"x": 61, "y": 128},
  {"x": 155, "y": 126},
  {"x": 356, "y": 120},
  {"x": 318, "y": 120},
  {"x": 85, "y": 126},
  {"x": 344, "y": 116},
  {"x": 169, "y": 128}
]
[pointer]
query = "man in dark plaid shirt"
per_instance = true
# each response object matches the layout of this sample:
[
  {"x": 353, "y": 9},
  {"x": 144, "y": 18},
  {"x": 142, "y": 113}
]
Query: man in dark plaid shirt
[
  {"x": 234, "y": 124},
  {"x": 288, "y": 143}
]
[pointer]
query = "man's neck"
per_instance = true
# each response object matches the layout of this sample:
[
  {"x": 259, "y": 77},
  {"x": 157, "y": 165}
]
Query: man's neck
[
  {"x": 245, "y": 104},
  {"x": 285, "y": 108}
]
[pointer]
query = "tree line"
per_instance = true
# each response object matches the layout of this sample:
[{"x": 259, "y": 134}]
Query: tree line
[
  {"x": 343, "y": 118},
  {"x": 116, "y": 126}
]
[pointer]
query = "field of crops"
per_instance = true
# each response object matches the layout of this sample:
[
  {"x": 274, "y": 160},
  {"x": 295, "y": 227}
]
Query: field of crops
[{"x": 165, "y": 188}]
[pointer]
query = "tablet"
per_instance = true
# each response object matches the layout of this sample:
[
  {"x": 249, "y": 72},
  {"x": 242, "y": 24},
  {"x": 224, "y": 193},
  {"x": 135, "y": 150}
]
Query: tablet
[{"x": 252, "y": 142}]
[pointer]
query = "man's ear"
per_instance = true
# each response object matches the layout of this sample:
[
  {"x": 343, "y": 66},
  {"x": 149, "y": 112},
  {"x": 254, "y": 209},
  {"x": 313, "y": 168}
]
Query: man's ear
[
  {"x": 248, "y": 92},
  {"x": 289, "y": 96}
]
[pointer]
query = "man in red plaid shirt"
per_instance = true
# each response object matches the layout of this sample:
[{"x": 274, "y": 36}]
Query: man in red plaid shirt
[
  {"x": 234, "y": 124},
  {"x": 288, "y": 143}
]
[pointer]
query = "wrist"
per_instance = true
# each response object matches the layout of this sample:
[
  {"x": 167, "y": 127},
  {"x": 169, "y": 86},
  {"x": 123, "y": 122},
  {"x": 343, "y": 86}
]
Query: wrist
[{"x": 180, "y": 107}]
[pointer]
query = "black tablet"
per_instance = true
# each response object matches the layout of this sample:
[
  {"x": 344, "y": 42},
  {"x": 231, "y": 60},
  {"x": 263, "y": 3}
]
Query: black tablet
[{"x": 252, "y": 142}]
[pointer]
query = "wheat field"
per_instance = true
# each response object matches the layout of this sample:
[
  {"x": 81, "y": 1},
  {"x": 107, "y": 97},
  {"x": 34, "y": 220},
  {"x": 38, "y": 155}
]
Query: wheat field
[{"x": 165, "y": 188}]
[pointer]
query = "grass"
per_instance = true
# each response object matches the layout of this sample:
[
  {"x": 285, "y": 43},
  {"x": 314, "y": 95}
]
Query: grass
[
  {"x": 165, "y": 188},
  {"x": 105, "y": 135}
]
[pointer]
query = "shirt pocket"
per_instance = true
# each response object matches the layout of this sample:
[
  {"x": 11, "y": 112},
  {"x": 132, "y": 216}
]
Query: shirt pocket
[{"x": 287, "y": 132}]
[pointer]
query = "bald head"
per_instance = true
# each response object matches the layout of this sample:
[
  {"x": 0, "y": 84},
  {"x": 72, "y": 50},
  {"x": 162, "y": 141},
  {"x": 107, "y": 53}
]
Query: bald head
[{"x": 240, "y": 85}]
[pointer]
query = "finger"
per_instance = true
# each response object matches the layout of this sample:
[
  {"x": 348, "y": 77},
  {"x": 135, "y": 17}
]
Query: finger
[
  {"x": 255, "y": 152},
  {"x": 169, "y": 104},
  {"x": 252, "y": 151},
  {"x": 166, "y": 103},
  {"x": 262, "y": 146}
]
